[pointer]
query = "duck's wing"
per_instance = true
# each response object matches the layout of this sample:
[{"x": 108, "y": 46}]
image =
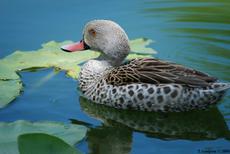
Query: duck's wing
[{"x": 150, "y": 70}]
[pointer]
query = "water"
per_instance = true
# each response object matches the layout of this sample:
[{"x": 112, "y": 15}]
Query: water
[{"x": 190, "y": 32}]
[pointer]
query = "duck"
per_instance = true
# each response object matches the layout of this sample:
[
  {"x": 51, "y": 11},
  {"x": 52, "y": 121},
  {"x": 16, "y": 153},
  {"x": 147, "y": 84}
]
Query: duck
[{"x": 144, "y": 84}]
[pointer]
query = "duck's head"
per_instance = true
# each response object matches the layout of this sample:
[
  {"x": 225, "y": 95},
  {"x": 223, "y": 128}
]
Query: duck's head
[{"x": 104, "y": 36}]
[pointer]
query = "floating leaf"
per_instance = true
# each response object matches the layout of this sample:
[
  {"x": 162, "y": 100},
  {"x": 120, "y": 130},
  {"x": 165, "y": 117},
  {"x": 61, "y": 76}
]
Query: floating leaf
[
  {"x": 9, "y": 90},
  {"x": 132, "y": 56},
  {"x": 50, "y": 55},
  {"x": 6, "y": 71},
  {"x": 39, "y": 143},
  {"x": 10, "y": 131},
  {"x": 139, "y": 46}
]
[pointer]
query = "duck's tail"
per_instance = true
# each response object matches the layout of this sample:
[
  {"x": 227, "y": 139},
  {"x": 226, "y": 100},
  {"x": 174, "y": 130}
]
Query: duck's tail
[
  {"x": 221, "y": 87},
  {"x": 214, "y": 93}
]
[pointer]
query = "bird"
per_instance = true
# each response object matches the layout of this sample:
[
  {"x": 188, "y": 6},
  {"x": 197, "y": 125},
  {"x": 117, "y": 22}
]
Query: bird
[{"x": 144, "y": 84}]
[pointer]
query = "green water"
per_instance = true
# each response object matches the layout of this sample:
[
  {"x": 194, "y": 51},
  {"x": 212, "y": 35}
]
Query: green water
[{"x": 195, "y": 33}]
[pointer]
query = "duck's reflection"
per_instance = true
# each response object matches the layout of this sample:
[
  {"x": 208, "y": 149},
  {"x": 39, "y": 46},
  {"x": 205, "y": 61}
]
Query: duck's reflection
[
  {"x": 115, "y": 134},
  {"x": 109, "y": 140}
]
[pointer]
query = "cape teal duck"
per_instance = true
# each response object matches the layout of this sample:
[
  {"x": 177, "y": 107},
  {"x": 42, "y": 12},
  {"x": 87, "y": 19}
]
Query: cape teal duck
[{"x": 145, "y": 84}]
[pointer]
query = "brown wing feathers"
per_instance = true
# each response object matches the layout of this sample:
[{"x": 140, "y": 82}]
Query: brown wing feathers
[{"x": 149, "y": 70}]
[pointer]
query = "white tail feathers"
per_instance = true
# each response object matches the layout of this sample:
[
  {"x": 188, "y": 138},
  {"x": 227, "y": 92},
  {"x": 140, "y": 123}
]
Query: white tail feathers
[{"x": 219, "y": 87}]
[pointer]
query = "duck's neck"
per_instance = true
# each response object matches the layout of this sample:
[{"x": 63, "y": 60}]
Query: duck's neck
[
  {"x": 92, "y": 72},
  {"x": 110, "y": 61}
]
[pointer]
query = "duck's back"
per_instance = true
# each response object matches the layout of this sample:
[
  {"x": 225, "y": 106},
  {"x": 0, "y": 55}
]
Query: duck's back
[{"x": 154, "y": 71}]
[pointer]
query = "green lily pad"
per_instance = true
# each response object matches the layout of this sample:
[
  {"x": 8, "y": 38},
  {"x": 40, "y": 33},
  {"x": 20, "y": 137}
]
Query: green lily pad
[
  {"x": 6, "y": 71},
  {"x": 134, "y": 55},
  {"x": 139, "y": 46},
  {"x": 50, "y": 55},
  {"x": 9, "y": 133},
  {"x": 39, "y": 143},
  {"x": 9, "y": 90}
]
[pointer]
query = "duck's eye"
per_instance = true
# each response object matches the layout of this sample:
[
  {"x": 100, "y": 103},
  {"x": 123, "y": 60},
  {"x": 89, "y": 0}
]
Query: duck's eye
[{"x": 92, "y": 32}]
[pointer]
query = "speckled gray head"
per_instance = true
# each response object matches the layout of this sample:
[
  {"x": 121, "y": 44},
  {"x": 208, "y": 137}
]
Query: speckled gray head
[
  {"x": 108, "y": 37},
  {"x": 105, "y": 36}
]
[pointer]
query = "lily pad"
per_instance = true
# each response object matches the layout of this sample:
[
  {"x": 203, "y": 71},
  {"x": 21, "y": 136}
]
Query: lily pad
[
  {"x": 9, "y": 133},
  {"x": 139, "y": 46},
  {"x": 9, "y": 90},
  {"x": 39, "y": 143},
  {"x": 50, "y": 55}
]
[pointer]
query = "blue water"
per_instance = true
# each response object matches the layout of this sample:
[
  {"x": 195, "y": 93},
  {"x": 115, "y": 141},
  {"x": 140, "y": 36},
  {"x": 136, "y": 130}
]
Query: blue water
[{"x": 183, "y": 32}]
